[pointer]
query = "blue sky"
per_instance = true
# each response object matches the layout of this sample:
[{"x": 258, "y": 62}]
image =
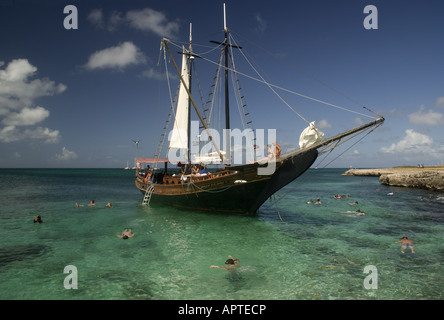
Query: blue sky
[{"x": 75, "y": 98}]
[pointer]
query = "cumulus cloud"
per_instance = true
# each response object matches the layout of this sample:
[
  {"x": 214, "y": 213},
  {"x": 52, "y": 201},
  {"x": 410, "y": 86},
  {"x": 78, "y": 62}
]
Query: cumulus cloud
[
  {"x": 439, "y": 103},
  {"x": 13, "y": 134},
  {"x": 116, "y": 57},
  {"x": 146, "y": 19},
  {"x": 66, "y": 155},
  {"x": 413, "y": 142},
  {"x": 18, "y": 91},
  {"x": 429, "y": 119},
  {"x": 324, "y": 124},
  {"x": 17, "y": 70},
  {"x": 26, "y": 117},
  {"x": 151, "y": 20}
]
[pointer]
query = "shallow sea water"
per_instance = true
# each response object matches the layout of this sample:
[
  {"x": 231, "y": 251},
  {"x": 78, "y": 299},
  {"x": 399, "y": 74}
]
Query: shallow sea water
[{"x": 290, "y": 250}]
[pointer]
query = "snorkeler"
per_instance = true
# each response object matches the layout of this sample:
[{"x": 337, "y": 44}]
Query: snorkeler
[
  {"x": 231, "y": 263},
  {"x": 357, "y": 212},
  {"x": 126, "y": 234},
  {"x": 406, "y": 243}
]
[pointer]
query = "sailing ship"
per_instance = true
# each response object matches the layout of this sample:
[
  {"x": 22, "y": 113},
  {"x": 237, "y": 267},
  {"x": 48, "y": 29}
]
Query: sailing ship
[{"x": 240, "y": 188}]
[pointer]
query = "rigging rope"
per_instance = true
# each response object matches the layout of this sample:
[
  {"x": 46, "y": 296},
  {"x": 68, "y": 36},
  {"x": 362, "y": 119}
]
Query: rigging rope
[
  {"x": 268, "y": 84},
  {"x": 288, "y": 90},
  {"x": 304, "y": 72}
]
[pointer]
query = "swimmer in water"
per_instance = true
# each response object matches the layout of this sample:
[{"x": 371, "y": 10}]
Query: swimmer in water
[
  {"x": 38, "y": 219},
  {"x": 357, "y": 212},
  {"x": 126, "y": 234},
  {"x": 231, "y": 263},
  {"x": 406, "y": 243}
]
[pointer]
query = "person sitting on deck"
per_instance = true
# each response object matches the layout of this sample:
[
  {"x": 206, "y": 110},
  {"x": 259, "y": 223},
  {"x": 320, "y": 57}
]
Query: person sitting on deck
[
  {"x": 273, "y": 153},
  {"x": 277, "y": 150}
]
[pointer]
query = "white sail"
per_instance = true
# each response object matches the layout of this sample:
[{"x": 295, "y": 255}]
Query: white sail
[
  {"x": 179, "y": 134},
  {"x": 310, "y": 136}
]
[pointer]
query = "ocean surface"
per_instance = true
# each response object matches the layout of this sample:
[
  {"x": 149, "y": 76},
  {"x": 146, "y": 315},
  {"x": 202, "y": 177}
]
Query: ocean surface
[{"x": 290, "y": 250}]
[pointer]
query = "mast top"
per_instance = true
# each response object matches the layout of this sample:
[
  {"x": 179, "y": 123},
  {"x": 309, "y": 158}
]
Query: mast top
[
  {"x": 225, "y": 20},
  {"x": 191, "y": 38}
]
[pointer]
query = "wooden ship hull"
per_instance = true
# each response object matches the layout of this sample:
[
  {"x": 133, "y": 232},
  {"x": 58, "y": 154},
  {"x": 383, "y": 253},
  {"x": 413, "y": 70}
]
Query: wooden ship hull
[{"x": 237, "y": 189}]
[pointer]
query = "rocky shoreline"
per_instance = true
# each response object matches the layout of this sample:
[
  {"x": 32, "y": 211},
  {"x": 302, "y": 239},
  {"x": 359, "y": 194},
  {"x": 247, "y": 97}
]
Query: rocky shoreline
[{"x": 430, "y": 178}]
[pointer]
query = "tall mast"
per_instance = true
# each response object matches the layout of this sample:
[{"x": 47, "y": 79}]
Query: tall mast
[
  {"x": 226, "y": 46},
  {"x": 227, "y": 102},
  {"x": 190, "y": 59}
]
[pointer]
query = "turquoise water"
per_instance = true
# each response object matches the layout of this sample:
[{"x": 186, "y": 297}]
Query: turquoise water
[{"x": 289, "y": 250}]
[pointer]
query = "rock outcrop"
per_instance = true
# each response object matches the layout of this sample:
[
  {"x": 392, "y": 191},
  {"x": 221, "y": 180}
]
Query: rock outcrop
[{"x": 430, "y": 178}]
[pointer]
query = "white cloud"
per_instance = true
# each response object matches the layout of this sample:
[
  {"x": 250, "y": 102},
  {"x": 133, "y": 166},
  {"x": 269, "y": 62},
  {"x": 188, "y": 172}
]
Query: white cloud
[
  {"x": 117, "y": 57},
  {"x": 429, "y": 119},
  {"x": 18, "y": 91},
  {"x": 439, "y": 103},
  {"x": 17, "y": 70},
  {"x": 324, "y": 124},
  {"x": 26, "y": 117},
  {"x": 66, "y": 155},
  {"x": 413, "y": 142},
  {"x": 151, "y": 20},
  {"x": 154, "y": 74},
  {"x": 97, "y": 18},
  {"x": 145, "y": 19},
  {"x": 13, "y": 134}
]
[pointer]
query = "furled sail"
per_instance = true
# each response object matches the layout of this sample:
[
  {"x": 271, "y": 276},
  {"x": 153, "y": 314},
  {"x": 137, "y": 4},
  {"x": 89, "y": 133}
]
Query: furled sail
[
  {"x": 179, "y": 134},
  {"x": 310, "y": 136}
]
